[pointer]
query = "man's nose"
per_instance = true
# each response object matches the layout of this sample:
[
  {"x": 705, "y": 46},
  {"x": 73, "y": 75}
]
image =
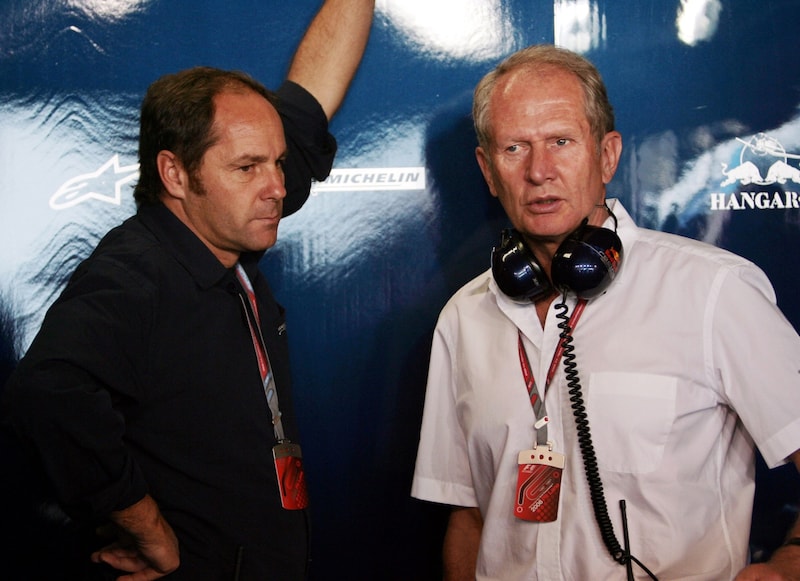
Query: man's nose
[
  {"x": 540, "y": 167},
  {"x": 274, "y": 185}
]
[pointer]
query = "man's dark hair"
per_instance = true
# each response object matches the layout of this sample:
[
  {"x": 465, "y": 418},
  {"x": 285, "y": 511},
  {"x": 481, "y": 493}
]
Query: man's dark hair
[{"x": 178, "y": 116}]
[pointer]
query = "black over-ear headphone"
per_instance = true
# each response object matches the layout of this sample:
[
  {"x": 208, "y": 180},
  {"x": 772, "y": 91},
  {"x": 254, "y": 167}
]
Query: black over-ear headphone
[{"x": 585, "y": 264}]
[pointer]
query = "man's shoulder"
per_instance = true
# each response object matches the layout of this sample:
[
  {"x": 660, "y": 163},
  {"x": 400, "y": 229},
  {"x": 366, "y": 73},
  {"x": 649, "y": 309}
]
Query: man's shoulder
[
  {"x": 129, "y": 240},
  {"x": 469, "y": 297},
  {"x": 652, "y": 245},
  {"x": 683, "y": 248},
  {"x": 129, "y": 254},
  {"x": 154, "y": 245},
  {"x": 474, "y": 288}
]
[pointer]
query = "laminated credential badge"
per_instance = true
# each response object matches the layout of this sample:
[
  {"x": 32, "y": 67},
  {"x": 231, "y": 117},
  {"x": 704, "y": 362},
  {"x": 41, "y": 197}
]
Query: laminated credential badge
[{"x": 538, "y": 484}]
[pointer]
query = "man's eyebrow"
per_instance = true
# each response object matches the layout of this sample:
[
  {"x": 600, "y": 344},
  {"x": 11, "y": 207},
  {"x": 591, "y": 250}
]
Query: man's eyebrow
[{"x": 248, "y": 158}]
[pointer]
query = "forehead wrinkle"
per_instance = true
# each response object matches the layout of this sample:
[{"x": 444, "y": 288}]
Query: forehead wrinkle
[{"x": 511, "y": 91}]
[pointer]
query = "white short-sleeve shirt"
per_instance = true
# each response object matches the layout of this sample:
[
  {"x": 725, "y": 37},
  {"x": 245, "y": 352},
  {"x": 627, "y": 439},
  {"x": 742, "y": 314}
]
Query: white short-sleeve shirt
[{"x": 684, "y": 363}]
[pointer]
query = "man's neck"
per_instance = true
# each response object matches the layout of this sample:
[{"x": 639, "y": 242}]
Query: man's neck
[{"x": 543, "y": 305}]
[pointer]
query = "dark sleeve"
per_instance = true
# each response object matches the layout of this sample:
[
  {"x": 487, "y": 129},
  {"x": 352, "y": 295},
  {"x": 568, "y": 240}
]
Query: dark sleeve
[
  {"x": 311, "y": 147},
  {"x": 59, "y": 400}
]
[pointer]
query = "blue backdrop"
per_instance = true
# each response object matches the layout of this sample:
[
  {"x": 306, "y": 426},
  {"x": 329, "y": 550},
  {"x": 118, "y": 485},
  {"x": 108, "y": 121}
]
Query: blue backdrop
[{"x": 706, "y": 94}]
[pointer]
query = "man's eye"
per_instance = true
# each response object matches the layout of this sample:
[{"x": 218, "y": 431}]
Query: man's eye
[
  {"x": 246, "y": 168},
  {"x": 561, "y": 142},
  {"x": 512, "y": 148}
]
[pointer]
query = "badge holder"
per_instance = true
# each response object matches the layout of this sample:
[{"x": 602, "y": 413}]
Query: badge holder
[
  {"x": 538, "y": 484},
  {"x": 291, "y": 476}
]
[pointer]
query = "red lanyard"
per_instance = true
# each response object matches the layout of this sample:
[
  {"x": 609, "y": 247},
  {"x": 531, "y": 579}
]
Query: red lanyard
[
  {"x": 530, "y": 381},
  {"x": 267, "y": 379},
  {"x": 261, "y": 355}
]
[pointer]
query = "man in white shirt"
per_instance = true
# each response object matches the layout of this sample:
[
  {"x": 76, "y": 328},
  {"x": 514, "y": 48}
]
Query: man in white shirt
[{"x": 679, "y": 362}]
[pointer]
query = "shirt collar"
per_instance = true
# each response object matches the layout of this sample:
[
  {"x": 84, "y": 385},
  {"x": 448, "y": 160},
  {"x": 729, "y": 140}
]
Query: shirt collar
[
  {"x": 626, "y": 227},
  {"x": 188, "y": 249}
]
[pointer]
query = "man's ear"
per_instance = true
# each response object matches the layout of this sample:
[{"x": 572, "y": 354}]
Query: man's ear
[
  {"x": 173, "y": 175},
  {"x": 610, "y": 152},
  {"x": 486, "y": 169}
]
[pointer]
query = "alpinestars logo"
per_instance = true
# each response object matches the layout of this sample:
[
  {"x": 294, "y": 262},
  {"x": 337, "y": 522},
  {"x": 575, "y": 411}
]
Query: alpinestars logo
[
  {"x": 763, "y": 162},
  {"x": 104, "y": 184}
]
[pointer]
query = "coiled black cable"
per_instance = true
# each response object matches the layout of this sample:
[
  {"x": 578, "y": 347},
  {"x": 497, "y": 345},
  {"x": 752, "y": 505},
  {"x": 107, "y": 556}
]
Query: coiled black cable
[{"x": 620, "y": 555}]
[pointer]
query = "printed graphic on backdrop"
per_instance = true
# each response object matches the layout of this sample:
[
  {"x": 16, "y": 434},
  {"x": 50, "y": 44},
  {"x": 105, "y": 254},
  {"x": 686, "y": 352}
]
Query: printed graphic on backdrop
[
  {"x": 763, "y": 161},
  {"x": 106, "y": 184},
  {"x": 711, "y": 144}
]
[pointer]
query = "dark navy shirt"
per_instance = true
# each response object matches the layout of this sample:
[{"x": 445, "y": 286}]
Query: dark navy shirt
[{"x": 143, "y": 379}]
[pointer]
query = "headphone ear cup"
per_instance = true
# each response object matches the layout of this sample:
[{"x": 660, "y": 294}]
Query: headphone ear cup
[
  {"x": 516, "y": 271},
  {"x": 587, "y": 262}
]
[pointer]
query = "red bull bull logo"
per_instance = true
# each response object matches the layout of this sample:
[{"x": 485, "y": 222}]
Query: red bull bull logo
[
  {"x": 612, "y": 254},
  {"x": 763, "y": 162}
]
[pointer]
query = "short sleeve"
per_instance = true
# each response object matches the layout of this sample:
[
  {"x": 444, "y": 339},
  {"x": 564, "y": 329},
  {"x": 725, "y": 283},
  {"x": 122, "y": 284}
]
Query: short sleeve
[
  {"x": 442, "y": 472},
  {"x": 311, "y": 148},
  {"x": 757, "y": 351}
]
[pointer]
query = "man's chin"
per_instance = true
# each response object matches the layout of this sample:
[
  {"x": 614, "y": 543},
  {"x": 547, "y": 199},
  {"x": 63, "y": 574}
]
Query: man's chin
[
  {"x": 260, "y": 243},
  {"x": 548, "y": 229}
]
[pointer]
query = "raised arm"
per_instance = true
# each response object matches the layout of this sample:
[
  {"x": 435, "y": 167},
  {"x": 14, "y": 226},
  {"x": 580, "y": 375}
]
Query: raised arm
[{"x": 329, "y": 54}]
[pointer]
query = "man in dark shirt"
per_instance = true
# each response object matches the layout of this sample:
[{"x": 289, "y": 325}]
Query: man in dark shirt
[{"x": 157, "y": 393}]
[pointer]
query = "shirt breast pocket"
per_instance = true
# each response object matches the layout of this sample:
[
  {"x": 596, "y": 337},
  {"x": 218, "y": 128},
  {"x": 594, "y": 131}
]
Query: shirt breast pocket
[{"x": 630, "y": 417}]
